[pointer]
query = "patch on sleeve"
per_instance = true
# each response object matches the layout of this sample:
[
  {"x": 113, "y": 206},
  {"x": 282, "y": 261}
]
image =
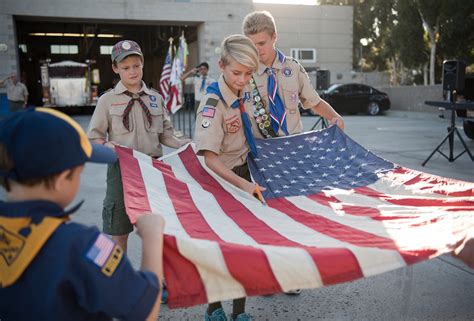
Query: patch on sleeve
[
  {"x": 212, "y": 102},
  {"x": 208, "y": 112},
  {"x": 105, "y": 254}
]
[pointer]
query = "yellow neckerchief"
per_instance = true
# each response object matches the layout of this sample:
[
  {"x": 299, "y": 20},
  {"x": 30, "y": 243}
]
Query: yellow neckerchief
[{"x": 17, "y": 251}]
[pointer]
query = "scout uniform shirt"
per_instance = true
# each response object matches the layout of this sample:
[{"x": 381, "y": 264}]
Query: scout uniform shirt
[
  {"x": 16, "y": 92},
  {"x": 219, "y": 127},
  {"x": 199, "y": 89},
  {"x": 293, "y": 86},
  {"x": 141, "y": 136},
  {"x": 53, "y": 270}
]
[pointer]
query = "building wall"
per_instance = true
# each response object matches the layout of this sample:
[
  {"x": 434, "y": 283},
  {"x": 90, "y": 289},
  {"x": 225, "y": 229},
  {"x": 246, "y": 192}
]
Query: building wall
[
  {"x": 326, "y": 28},
  {"x": 412, "y": 98}
]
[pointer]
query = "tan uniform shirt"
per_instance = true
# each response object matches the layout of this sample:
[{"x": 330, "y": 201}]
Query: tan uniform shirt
[
  {"x": 108, "y": 115},
  {"x": 16, "y": 92},
  {"x": 219, "y": 127},
  {"x": 293, "y": 86}
]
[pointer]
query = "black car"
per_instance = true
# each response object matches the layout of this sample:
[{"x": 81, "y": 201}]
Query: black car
[{"x": 356, "y": 98}]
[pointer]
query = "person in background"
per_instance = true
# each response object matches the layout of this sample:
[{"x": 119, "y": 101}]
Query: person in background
[
  {"x": 17, "y": 93},
  {"x": 201, "y": 81},
  {"x": 53, "y": 268}
]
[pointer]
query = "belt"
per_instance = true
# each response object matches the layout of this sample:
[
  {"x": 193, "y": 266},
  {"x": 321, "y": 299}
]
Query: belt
[{"x": 17, "y": 101}]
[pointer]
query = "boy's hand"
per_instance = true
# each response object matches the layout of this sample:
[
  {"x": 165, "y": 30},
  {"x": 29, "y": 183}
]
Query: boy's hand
[
  {"x": 339, "y": 122},
  {"x": 150, "y": 224},
  {"x": 465, "y": 251}
]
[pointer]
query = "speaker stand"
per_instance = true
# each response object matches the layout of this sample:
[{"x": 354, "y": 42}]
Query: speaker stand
[
  {"x": 450, "y": 137},
  {"x": 323, "y": 121}
]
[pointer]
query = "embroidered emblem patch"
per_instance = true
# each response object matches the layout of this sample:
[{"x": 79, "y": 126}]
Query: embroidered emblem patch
[
  {"x": 126, "y": 45},
  {"x": 152, "y": 98},
  {"x": 287, "y": 71},
  {"x": 205, "y": 123},
  {"x": 233, "y": 125},
  {"x": 208, "y": 112},
  {"x": 212, "y": 102},
  {"x": 154, "y": 105},
  {"x": 247, "y": 96},
  {"x": 100, "y": 251}
]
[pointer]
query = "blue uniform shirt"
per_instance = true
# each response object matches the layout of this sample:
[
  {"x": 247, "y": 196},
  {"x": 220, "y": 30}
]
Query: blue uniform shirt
[{"x": 65, "y": 281}]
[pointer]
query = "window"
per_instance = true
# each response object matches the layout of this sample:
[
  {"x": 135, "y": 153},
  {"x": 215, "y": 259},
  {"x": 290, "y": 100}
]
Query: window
[
  {"x": 23, "y": 48},
  {"x": 304, "y": 55},
  {"x": 64, "y": 49},
  {"x": 106, "y": 50}
]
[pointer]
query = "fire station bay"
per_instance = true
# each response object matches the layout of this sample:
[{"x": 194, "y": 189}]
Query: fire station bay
[{"x": 60, "y": 49}]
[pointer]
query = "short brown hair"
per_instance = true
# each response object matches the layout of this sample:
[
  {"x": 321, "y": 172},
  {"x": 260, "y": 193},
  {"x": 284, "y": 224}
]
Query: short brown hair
[
  {"x": 6, "y": 164},
  {"x": 259, "y": 21}
]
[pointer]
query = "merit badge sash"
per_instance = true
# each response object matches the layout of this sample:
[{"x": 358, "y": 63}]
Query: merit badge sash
[{"x": 260, "y": 113}]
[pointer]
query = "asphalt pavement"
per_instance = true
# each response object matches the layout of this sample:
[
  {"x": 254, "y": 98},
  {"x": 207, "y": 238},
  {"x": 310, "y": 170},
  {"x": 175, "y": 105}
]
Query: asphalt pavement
[{"x": 439, "y": 289}]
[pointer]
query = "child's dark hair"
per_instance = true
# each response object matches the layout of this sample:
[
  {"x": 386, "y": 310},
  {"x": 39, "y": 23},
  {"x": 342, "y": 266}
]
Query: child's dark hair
[
  {"x": 7, "y": 164},
  {"x": 204, "y": 64}
]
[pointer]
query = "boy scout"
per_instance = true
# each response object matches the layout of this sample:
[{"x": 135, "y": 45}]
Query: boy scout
[
  {"x": 134, "y": 116},
  {"x": 51, "y": 268},
  {"x": 279, "y": 84},
  {"x": 221, "y": 135}
]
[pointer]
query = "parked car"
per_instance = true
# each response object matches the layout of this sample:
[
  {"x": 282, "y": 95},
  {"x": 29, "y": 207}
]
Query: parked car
[{"x": 356, "y": 98}]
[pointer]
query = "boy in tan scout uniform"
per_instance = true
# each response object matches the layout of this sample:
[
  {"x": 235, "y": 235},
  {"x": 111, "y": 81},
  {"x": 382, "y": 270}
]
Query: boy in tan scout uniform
[
  {"x": 131, "y": 115},
  {"x": 220, "y": 133},
  {"x": 285, "y": 79}
]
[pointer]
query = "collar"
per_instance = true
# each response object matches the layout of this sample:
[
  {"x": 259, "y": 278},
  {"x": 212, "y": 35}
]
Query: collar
[
  {"x": 120, "y": 88},
  {"x": 35, "y": 209},
  {"x": 225, "y": 93},
  {"x": 277, "y": 63}
]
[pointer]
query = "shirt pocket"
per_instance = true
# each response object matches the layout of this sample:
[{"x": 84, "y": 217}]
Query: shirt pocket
[
  {"x": 116, "y": 115},
  {"x": 157, "y": 118}
]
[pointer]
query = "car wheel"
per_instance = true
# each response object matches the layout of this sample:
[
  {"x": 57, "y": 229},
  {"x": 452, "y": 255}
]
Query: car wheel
[
  {"x": 469, "y": 128},
  {"x": 373, "y": 108}
]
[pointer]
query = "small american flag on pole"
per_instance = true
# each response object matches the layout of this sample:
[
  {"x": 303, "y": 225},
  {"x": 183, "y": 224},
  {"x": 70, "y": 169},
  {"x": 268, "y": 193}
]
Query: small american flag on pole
[
  {"x": 335, "y": 213},
  {"x": 165, "y": 74},
  {"x": 174, "y": 100}
]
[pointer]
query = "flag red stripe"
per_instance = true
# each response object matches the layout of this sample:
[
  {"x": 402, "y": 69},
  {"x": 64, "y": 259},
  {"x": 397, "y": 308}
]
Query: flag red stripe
[
  {"x": 179, "y": 271},
  {"x": 342, "y": 232},
  {"x": 435, "y": 183},
  {"x": 421, "y": 202},
  {"x": 132, "y": 184}
]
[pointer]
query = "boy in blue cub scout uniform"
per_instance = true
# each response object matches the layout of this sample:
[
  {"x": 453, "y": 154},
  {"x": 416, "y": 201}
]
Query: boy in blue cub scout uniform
[{"x": 51, "y": 268}]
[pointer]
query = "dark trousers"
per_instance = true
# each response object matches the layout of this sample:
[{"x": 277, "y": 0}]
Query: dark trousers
[{"x": 14, "y": 106}]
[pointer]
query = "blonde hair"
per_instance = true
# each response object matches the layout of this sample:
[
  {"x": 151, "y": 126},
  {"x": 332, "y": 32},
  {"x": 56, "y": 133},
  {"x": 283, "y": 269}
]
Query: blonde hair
[
  {"x": 259, "y": 21},
  {"x": 241, "y": 49}
]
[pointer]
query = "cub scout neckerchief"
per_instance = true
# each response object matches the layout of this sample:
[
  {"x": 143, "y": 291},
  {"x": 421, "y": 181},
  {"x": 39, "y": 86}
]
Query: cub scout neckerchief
[
  {"x": 24, "y": 229},
  {"x": 260, "y": 113},
  {"x": 126, "y": 113},
  {"x": 18, "y": 251},
  {"x": 238, "y": 103}
]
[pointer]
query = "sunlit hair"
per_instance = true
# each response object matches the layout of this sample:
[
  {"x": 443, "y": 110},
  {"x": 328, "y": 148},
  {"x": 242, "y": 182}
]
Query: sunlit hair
[
  {"x": 259, "y": 21},
  {"x": 241, "y": 49}
]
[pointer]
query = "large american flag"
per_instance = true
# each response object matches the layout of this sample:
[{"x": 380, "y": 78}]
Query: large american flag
[
  {"x": 335, "y": 212},
  {"x": 165, "y": 75}
]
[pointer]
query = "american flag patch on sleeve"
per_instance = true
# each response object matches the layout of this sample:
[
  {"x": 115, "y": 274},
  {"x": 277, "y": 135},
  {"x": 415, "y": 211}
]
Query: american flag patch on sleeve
[
  {"x": 208, "y": 112},
  {"x": 100, "y": 251}
]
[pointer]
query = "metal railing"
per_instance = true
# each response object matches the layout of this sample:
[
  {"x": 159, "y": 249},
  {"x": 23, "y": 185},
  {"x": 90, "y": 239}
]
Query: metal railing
[{"x": 184, "y": 119}]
